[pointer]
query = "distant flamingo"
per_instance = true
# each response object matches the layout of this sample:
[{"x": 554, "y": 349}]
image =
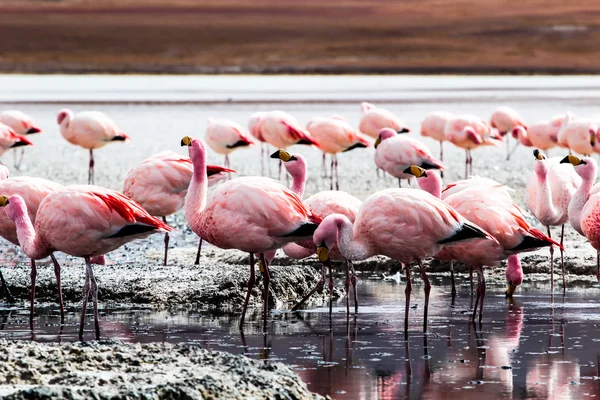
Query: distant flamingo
[
  {"x": 542, "y": 135},
  {"x": 225, "y": 136},
  {"x": 374, "y": 119},
  {"x": 279, "y": 129},
  {"x": 505, "y": 119},
  {"x": 334, "y": 135},
  {"x": 469, "y": 132},
  {"x": 407, "y": 225},
  {"x": 491, "y": 209},
  {"x": 10, "y": 139},
  {"x": 90, "y": 130},
  {"x": 82, "y": 221},
  {"x": 251, "y": 214},
  {"x": 549, "y": 191},
  {"x": 433, "y": 126},
  {"x": 22, "y": 124},
  {"x": 394, "y": 153},
  {"x": 584, "y": 208},
  {"x": 321, "y": 204},
  {"x": 581, "y": 136},
  {"x": 160, "y": 183}
]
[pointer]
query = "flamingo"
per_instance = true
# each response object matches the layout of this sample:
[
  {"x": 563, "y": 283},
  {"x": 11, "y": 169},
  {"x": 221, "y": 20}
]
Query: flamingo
[
  {"x": 374, "y": 119},
  {"x": 505, "y": 119},
  {"x": 583, "y": 208},
  {"x": 542, "y": 135},
  {"x": 10, "y": 139},
  {"x": 407, "y": 225},
  {"x": 160, "y": 183},
  {"x": 492, "y": 209},
  {"x": 90, "y": 130},
  {"x": 22, "y": 124},
  {"x": 433, "y": 126},
  {"x": 279, "y": 129},
  {"x": 321, "y": 204},
  {"x": 470, "y": 132},
  {"x": 334, "y": 135},
  {"x": 82, "y": 221},
  {"x": 514, "y": 274},
  {"x": 580, "y": 136},
  {"x": 394, "y": 153},
  {"x": 550, "y": 189},
  {"x": 225, "y": 136},
  {"x": 251, "y": 214}
]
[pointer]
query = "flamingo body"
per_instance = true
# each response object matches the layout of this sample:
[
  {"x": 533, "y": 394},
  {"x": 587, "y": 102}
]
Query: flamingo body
[
  {"x": 10, "y": 139},
  {"x": 280, "y": 129},
  {"x": 225, "y": 136},
  {"x": 89, "y": 129},
  {"x": 505, "y": 119},
  {"x": 434, "y": 123},
  {"x": 20, "y": 122},
  {"x": 580, "y": 136},
  {"x": 469, "y": 132},
  {"x": 374, "y": 119},
  {"x": 334, "y": 135}
]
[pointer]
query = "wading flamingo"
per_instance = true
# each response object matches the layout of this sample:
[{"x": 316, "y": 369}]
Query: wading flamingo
[
  {"x": 470, "y": 132},
  {"x": 279, "y": 129},
  {"x": 505, "y": 119},
  {"x": 334, "y": 135},
  {"x": 251, "y": 214},
  {"x": 433, "y": 126},
  {"x": 82, "y": 221},
  {"x": 394, "y": 153},
  {"x": 492, "y": 209},
  {"x": 580, "y": 136},
  {"x": 321, "y": 204},
  {"x": 374, "y": 119},
  {"x": 584, "y": 208},
  {"x": 407, "y": 225},
  {"x": 90, "y": 130},
  {"x": 514, "y": 274},
  {"x": 225, "y": 136},
  {"x": 550, "y": 189},
  {"x": 9, "y": 139},
  {"x": 160, "y": 183},
  {"x": 22, "y": 124},
  {"x": 542, "y": 135}
]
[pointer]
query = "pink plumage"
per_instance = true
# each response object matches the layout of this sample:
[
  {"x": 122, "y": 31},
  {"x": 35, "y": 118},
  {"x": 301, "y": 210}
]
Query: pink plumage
[
  {"x": 334, "y": 134},
  {"x": 374, "y": 119},
  {"x": 434, "y": 123},
  {"x": 505, "y": 119},
  {"x": 10, "y": 139},
  {"x": 20, "y": 122},
  {"x": 580, "y": 136},
  {"x": 279, "y": 129}
]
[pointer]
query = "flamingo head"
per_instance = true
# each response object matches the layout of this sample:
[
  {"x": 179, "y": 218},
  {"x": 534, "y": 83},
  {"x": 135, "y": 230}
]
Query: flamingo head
[
  {"x": 585, "y": 167},
  {"x": 430, "y": 181},
  {"x": 540, "y": 168},
  {"x": 384, "y": 134},
  {"x": 197, "y": 149},
  {"x": 14, "y": 205},
  {"x": 326, "y": 235},
  {"x": 64, "y": 115},
  {"x": 518, "y": 131},
  {"x": 295, "y": 164},
  {"x": 514, "y": 274}
]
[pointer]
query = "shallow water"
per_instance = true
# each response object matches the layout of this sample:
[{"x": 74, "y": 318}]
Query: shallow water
[{"x": 534, "y": 346}]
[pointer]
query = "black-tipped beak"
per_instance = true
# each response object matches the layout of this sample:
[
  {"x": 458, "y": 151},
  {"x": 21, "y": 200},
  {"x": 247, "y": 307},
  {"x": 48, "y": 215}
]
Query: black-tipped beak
[
  {"x": 275, "y": 155},
  {"x": 565, "y": 160},
  {"x": 404, "y": 130},
  {"x": 33, "y": 130}
]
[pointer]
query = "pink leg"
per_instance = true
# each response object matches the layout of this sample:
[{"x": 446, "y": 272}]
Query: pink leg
[
  {"x": 250, "y": 286},
  {"x": 331, "y": 177},
  {"x": 166, "y": 242},
  {"x": 407, "y": 292},
  {"x": 337, "y": 177},
  {"x": 347, "y": 287},
  {"x": 324, "y": 166},
  {"x": 427, "y": 291},
  {"x": 551, "y": 262},
  {"x": 466, "y": 164},
  {"x": 33, "y": 275},
  {"x": 442, "y": 157},
  {"x": 86, "y": 295},
  {"x": 197, "y": 262},
  {"x": 399, "y": 182},
  {"x": 227, "y": 165},
  {"x": 562, "y": 259},
  {"x": 91, "y": 169},
  {"x": 94, "y": 291},
  {"x": 267, "y": 280},
  {"x": 452, "y": 278},
  {"x": 59, "y": 285},
  {"x": 330, "y": 285},
  {"x": 353, "y": 281}
]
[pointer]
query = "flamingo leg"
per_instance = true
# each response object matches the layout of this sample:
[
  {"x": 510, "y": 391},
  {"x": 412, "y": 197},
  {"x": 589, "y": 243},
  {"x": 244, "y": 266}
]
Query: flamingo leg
[
  {"x": 331, "y": 171},
  {"x": 509, "y": 154},
  {"x": 251, "y": 281},
  {"x": 442, "y": 157},
  {"x": 399, "y": 182},
  {"x": 452, "y": 278},
  {"x": 507, "y": 146},
  {"x": 353, "y": 281},
  {"x": 551, "y": 262},
  {"x": 91, "y": 168},
  {"x": 407, "y": 292},
  {"x": 481, "y": 289},
  {"x": 427, "y": 291},
  {"x": 9, "y": 296},
  {"x": 324, "y": 166},
  {"x": 337, "y": 177},
  {"x": 94, "y": 290},
  {"x": 562, "y": 258},
  {"x": 227, "y": 165},
  {"x": 347, "y": 287},
  {"x": 377, "y": 171},
  {"x": 262, "y": 159},
  {"x": 318, "y": 288},
  {"x": 267, "y": 280},
  {"x": 166, "y": 242},
  {"x": 86, "y": 295},
  {"x": 471, "y": 277},
  {"x": 279, "y": 174},
  {"x": 197, "y": 262},
  {"x": 33, "y": 275},
  {"x": 466, "y": 163},
  {"x": 59, "y": 285},
  {"x": 330, "y": 269}
]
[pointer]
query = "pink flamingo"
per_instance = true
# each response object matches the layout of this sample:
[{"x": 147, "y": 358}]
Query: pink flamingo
[
  {"x": 433, "y": 126},
  {"x": 407, "y": 225},
  {"x": 90, "y": 130},
  {"x": 225, "y": 136},
  {"x": 82, "y": 221},
  {"x": 542, "y": 135},
  {"x": 22, "y": 124},
  {"x": 394, "y": 153},
  {"x": 505, "y": 119},
  {"x": 549, "y": 191},
  {"x": 514, "y": 274},
  {"x": 492, "y": 209},
  {"x": 279, "y": 129},
  {"x": 580, "y": 136},
  {"x": 322, "y": 205},
  {"x": 160, "y": 183},
  {"x": 251, "y": 214},
  {"x": 374, "y": 119},
  {"x": 334, "y": 135},
  {"x": 10, "y": 139},
  {"x": 584, "y": 206},
  {"x": 470, "y": 132}
]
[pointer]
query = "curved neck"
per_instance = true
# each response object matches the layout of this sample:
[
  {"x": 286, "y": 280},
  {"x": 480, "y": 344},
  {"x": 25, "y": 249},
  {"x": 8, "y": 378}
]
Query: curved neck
[
  {"x": 545, "y": 205},
  {"x": 352, "y": 249},
  {"x": 578, "y": 200},
  {"x": 31, "y": 243},
  {"x": 514, "y": 272},
  {"x": 298, "y": 185},
  {"x": 432, "y": 184},
  {"x": 195, "y": 199}
]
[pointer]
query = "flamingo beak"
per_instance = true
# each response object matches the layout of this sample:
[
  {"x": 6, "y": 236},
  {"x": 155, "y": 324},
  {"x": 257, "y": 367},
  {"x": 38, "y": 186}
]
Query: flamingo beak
[
  {"x": 323, "y": 252},
  {"x": 186, "y": 141},
  {"x": 510, "y": 290},
  {"x": 3, "y": 201},
  {"x": 404, "y": 130},
  {"x": 377, "y": 142}
]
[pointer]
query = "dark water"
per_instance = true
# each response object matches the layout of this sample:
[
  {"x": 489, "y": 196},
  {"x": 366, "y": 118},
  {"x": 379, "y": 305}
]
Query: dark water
[{"x": 533, "y": 347}]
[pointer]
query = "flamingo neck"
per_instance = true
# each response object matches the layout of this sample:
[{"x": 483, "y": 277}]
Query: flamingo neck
[
  {"x": 195, "y": 199},
  {"x": 31, "y": 243},
  {"x": 578, "y": 200},
  {"x": 545, "y": 206},
  {"x": 298, "y": 170},
  {"x": 432, "y": 184},
  {"x": 514, "y": 272},
  {"x": 352, "y": 249}
]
